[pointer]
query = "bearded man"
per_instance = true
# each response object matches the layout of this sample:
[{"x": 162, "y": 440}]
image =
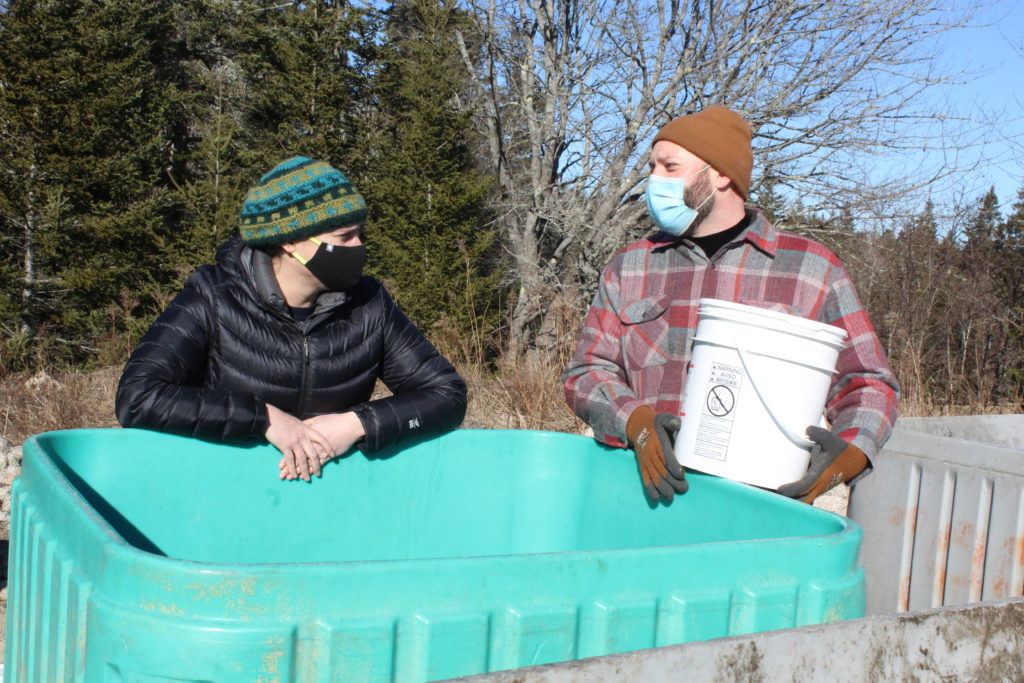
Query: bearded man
[{"x": 628, "y": 375}]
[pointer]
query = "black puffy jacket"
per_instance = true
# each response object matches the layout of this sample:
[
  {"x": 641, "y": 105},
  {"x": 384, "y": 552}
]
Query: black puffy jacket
[{"x": 226, "y": 346}]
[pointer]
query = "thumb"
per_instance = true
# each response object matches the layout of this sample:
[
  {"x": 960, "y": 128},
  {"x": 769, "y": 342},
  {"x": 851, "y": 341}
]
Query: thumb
[
  {"x": 828, "y": 442},
  {"x": 815, "y": 433},
  {"x": 669, "y": 422}
]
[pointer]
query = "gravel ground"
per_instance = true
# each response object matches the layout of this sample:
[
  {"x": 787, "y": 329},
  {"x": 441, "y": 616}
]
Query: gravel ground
[{"x": 835, "y": 500}]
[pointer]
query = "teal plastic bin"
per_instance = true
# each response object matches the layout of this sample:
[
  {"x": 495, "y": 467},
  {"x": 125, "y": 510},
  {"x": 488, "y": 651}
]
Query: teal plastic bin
[{"x": 138, "y": 556}]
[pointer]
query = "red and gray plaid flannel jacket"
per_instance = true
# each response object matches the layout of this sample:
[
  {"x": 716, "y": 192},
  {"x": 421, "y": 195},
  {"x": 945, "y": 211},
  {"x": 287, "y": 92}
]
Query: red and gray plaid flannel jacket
[{"x": 635, "y": 344}]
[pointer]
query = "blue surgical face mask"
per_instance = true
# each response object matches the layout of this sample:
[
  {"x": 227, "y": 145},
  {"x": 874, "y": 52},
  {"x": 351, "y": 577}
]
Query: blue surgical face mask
[{"x": 666, "y": 203}]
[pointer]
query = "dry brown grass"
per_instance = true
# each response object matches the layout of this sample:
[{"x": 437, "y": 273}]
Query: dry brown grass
[
  {"x": 525, "y": 396},
  {"x": 62, "y": 400},
  {"x": 916, "y": 407}
]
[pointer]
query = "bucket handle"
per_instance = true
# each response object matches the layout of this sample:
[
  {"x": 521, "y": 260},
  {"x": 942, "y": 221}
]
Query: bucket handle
[{"x": 798, "y": 440}]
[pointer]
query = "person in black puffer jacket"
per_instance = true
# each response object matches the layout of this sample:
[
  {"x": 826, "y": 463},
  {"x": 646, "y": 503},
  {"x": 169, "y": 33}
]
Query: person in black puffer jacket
[{"x": 283, "y": 339}]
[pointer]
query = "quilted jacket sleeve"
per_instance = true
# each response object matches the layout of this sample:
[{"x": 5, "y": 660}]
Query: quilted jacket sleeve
[
  {"x": 429, "y": 396},
  {"x": 161, "y": 386}
]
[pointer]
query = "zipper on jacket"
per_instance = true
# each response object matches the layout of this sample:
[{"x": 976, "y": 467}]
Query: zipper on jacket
[
  {"x": 306, "y": 327},
  {"x": 304, "y": 387}
]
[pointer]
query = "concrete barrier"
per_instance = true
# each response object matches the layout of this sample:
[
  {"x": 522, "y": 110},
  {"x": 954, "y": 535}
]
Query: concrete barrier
[
  {"x": 980, "y": 642},
  {"x": 943, "y": 514}
]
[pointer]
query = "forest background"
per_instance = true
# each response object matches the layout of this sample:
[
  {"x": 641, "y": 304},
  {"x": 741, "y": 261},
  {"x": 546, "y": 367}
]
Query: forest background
[{"x": 501, "y": 147}]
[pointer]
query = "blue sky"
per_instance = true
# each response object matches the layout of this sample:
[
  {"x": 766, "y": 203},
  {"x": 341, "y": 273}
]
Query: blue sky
[{"x": 990, "y": 53}]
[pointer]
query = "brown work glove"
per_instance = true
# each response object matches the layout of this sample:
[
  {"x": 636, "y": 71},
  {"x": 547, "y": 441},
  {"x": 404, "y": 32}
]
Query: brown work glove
[
  {"x": 833, "y": 462},
  {"x": 651, "y": 435}
]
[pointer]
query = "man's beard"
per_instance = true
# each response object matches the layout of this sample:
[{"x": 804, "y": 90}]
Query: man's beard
[{"x": 699, "y": 196}]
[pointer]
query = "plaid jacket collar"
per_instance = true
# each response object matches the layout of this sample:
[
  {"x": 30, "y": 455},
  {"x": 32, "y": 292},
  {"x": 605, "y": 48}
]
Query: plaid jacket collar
[{"x": 760, "y": 233}]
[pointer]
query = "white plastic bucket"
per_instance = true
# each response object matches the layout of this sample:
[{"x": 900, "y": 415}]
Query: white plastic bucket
[{"x": 757, "y": 380}]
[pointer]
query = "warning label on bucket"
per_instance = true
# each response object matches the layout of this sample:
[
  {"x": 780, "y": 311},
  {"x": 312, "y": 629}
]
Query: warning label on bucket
[
  {"x": 716, "y": 420},
  {"x": 721, "y": 400}
]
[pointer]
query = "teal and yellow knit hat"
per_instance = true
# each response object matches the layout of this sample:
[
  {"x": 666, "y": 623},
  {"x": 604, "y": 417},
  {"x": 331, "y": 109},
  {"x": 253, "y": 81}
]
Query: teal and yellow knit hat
[{"x": 299, "y": 198}]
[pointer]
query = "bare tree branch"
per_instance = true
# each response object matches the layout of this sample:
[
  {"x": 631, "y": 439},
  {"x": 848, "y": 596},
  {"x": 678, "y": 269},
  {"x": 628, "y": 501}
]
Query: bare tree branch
[{"x": 571, "y": 91}]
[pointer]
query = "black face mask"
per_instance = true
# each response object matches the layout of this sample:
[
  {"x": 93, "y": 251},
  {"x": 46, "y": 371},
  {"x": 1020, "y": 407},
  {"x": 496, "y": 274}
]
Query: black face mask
[{"x": 338, "y": 268}]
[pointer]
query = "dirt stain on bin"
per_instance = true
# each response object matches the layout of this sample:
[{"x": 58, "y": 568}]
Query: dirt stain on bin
[
  {"x": 173, "y": 610},
  {"x": 270, "y": 668}
]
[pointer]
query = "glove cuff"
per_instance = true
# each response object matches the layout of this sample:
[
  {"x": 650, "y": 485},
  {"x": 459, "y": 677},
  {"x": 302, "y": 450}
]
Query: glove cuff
[{"x": 850, "y": 463}]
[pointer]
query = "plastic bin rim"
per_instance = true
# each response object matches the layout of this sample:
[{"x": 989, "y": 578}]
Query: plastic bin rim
[
  {"x": 115, "y": 545},
  {"x": 125, "y": 550}
]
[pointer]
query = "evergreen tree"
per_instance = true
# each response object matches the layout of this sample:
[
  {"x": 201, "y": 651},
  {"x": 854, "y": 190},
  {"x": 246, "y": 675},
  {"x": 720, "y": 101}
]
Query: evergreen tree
[
  {"x": 1009, "y": 269},
  {"x": 980, "y": 334},
  {"x": 306, "y": 65},
  {"x": 1008, "y": 248},
  {"x": 89, "y": 126},
  {"x": 920, "y": 305},
  {"x": 430, "y": 232},
  {"x": 262, "y": 80},
  {"x": 221, "y": 155},
  {"x": 767, "y": 198},
  {"x": 981, "y": 231}
]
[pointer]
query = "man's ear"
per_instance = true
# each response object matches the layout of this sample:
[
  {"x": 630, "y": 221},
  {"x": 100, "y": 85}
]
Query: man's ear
[
  {"x": 719, "y": 181},
  {"x": 289, "y": 247}
]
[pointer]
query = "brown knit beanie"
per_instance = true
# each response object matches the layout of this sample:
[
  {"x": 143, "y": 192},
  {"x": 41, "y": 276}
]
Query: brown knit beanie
[{"x": 720, "y": 137}]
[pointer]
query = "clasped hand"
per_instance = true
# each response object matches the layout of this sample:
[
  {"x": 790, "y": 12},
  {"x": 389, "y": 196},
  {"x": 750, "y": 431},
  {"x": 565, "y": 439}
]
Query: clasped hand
[{"x": 306, "y": 445}]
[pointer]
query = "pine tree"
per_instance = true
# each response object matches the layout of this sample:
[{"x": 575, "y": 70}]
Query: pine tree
[
  {"x": 220, "y": 155},
  {"x": 306, "y": 67},
  {"x": 430, "y": 233},
  {"x": 920, "y": 306},
  {"x": 262, "y": 80},
  {"x": 89, "y": 126},
  {"x": 772, "y": 204},
  {"x": 980, "y": 332},
  {"x": 981, "y": 232},
  {"x": 1008, "y": 247},
  {"x": 1009, "y": 269}
]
